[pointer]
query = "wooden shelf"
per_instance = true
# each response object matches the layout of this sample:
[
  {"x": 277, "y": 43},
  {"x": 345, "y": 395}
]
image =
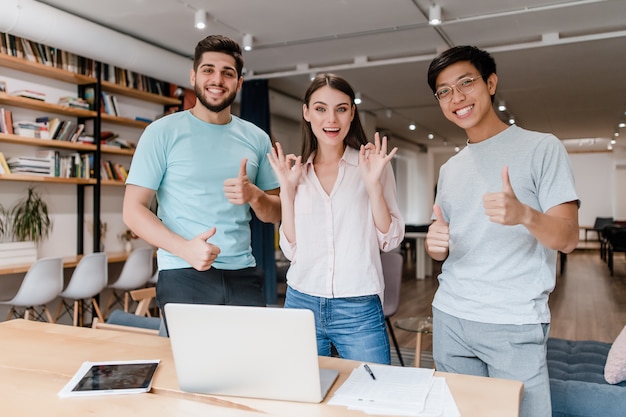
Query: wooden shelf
[
  {"x": 125, "y": 121},
  {"x": 36, "y": 68},
  {"x": 68, "y": 262},
  {"x": 47, "y": 143},
  {"x": 138, "y": 94},
  {"x": 45, "y": 179},
  {"x": 33, "y": 104}
]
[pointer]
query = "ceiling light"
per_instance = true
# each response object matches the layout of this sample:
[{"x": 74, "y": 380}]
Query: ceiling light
[
  {"x": 312, "y": 76},
  {"x": 456, "y": 149},
  {"x": 434, "y": 15},
  {"x": 622, "y": 124},
  {"x": 616, "y": 134},
  {"x": 412, "y": 126},
  {"x": 431, "y": 136},
  {"x": 511, "y": 120},
  {"x": 201, "y": 19},
  {"x": 357, "y": 98},
  {"x": 502, "y": 106},
  {"x": 609, "y": 147},
  {"x": 247, "y": 42},
  {"x": 613, "y": 141},
  {"x": 388, "y": 113}
]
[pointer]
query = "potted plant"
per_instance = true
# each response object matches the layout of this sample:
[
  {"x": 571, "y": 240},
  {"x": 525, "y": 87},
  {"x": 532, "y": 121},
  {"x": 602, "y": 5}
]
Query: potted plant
[
  {"x": 26, "y": 223},
  {"x": 127, "y": 236},
  {"x": 29, "y": 218}
]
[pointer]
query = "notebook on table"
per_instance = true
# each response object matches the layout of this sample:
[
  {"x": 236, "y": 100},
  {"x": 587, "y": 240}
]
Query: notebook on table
[{"x": 258, "y": 352}]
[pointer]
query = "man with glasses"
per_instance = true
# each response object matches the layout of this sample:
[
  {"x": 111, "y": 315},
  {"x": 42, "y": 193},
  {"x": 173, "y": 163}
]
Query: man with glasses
[{"x": 505, "y": 205}]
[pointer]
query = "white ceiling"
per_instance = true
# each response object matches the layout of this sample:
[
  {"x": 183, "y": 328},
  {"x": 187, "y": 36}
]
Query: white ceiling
[{"x": 561, "y": 64}]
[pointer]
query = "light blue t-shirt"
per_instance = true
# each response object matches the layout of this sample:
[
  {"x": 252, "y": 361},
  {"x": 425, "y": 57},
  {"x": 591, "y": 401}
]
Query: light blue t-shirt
[
  {"x": 496, "y": 273},
  {"x": 186, "y": 161}
]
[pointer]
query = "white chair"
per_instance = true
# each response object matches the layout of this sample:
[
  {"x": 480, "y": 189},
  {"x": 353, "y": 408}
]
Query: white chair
[
  {"x": 136, "y": 272},
  {"x": 392, "y": 273},
  {"x": 42, "y": 284},
  {"x": 87, "y": 281}
]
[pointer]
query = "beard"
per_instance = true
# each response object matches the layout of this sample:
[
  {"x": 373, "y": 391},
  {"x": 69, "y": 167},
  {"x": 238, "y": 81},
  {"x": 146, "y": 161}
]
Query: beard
[{"x": 215, "y": 108}]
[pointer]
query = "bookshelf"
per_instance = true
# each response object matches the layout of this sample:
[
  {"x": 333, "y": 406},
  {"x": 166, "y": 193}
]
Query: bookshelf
[{"x": 81, "y": 73}]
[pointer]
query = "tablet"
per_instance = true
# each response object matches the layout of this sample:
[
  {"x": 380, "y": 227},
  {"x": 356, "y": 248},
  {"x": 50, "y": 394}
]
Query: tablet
[{"x": 113, "y": 377}]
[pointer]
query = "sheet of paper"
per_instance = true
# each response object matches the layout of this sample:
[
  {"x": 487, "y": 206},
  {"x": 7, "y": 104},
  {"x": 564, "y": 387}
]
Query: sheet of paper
[
  {"x": 395, "y": 387},
  {"x": 439, "y": 401}
]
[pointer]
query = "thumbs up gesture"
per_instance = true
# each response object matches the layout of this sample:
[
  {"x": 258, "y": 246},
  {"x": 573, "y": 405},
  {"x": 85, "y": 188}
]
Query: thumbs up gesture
[
  {"x": 199, "y": 253},
  {"x": 239, "y": 190},
  {"x": 503, "y": 207},
  {"x": 438, "y": 236}
]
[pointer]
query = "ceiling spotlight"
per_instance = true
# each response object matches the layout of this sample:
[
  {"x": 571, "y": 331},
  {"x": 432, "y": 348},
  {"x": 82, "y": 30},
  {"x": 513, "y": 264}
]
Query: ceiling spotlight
[
  {"x": 312, "y": 76},
  {"x": 616, "y": 134},
  {"x": 609, "y": 147},
  {"x": 388, "y": 113},
  {"x": 622, "y": 124},
  {"x": 434, "y": 15},
  {"x": 431, "y": 136},
  {"x": 613, "y": 141},
  {"x": 412, "y": 126},
  {"x": 511, "y": 120},
  {"x": 247, "y": 42},
  {"x": 357, "y": 98},
  {"x": 502, "y": 106},
  {"x": 456, "y": 149},
  {"x": 201, "y": 16}
]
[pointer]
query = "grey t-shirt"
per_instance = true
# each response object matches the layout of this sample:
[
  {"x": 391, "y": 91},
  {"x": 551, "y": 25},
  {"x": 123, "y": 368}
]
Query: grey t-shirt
[{"x": 496, "y": 273}]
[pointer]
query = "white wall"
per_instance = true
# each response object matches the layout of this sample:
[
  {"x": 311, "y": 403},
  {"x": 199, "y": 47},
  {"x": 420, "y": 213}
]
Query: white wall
[{"x": 594, "y": 177}]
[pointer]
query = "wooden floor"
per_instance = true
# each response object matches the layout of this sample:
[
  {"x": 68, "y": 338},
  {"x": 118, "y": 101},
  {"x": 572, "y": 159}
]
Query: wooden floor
[{"x": 587, "y": 303}]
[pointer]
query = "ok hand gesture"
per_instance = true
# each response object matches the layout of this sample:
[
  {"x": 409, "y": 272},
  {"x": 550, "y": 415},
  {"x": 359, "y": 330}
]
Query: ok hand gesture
[
  {"x": 372, "y": 160},
  {"x": 288, "y": 168}
]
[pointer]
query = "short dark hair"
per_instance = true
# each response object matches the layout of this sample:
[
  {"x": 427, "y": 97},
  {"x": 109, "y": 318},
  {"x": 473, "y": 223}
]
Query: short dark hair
[
  {"x": 482, "y": 60},
  {"x": 219, "y": 43},
  {"x": 356, "y": 135}
]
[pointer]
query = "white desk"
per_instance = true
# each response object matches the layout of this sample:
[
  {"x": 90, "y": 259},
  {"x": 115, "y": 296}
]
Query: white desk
[
  {"x": 423, "y": 263},
  {"x": 37, "y": 360}
]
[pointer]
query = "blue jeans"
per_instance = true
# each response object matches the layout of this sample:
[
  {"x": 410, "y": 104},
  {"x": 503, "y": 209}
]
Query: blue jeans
[
  {"x": 354, "y": 325},
  {"x": 507, "y": 351}
]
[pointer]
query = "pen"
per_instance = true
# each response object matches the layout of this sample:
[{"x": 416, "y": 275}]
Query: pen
[{"x": 369, "y": 371}]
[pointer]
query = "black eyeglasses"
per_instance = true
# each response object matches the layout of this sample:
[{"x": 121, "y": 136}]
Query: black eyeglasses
[{"x": 463, "y": 86}]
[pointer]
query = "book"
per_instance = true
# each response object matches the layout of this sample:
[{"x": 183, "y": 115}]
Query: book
[
  {"x": 4, "y": 164},
  {"x": 37, "y": 95},
  {"x": 79, "y": 131},
  {"x": 114, "y": 105}
]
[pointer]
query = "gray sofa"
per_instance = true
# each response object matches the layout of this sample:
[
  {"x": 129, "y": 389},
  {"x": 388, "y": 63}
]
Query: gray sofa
[{"x": 577, "y": 381}]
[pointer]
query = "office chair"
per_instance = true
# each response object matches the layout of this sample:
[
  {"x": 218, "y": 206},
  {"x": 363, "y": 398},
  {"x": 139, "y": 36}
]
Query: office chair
[
  {"x": 392, "y": 273},
  {"x": 136, "y": 272},
  {"x": 87, "y": 281},
  {"x": 42, "y": 284}
]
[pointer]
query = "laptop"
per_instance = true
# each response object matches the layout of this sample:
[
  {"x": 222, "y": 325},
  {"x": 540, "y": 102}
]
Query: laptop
[{"x": 257, "y": 352}]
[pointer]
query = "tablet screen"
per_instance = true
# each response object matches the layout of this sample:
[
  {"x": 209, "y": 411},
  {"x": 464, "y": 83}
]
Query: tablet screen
[{"x": 115, "y": 377}]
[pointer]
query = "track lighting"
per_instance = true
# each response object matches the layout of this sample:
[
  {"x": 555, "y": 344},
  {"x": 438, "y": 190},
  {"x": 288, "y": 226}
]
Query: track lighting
[
  {"x": 412, "y": 126},
  {"x": 247, "y": 42},
  {"x": 357, "y": 98},
  {"x": 431, "y": 136},
  {"x": 511, "y": 120},
  {"x": 434, "y": 15},
  {"x": 622, "y": 125},
  {"x": 502, "y": 106},
  {"x": 201, "y": 16}
]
